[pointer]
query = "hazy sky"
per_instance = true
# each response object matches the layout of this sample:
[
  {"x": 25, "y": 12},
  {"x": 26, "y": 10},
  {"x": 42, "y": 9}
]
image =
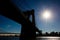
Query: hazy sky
[{"x": 39, "y": 6}]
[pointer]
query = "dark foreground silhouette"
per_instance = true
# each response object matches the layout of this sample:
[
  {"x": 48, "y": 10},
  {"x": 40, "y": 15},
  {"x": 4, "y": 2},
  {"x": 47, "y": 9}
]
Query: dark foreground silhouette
[{"x": 9, "y": 10}]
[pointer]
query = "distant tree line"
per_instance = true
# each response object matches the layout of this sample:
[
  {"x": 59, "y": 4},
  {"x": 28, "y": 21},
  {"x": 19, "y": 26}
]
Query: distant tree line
[{"x": 48, "y": 34}]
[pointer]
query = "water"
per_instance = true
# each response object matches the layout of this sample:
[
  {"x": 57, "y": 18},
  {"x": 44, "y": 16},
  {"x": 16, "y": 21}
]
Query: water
[
  {"x": 38, "y": 38},
  {"x": 48, "y": 38},
  {"x": 9, "y": 38}
]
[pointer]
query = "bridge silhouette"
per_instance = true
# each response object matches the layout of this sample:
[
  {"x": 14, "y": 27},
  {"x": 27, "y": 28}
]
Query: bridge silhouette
[{"x": 29, "y": 29}]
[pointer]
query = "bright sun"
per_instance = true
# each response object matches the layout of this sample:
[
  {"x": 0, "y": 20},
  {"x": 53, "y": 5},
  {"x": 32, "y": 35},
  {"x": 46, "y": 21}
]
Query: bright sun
[{"x": 46, "y": 14}]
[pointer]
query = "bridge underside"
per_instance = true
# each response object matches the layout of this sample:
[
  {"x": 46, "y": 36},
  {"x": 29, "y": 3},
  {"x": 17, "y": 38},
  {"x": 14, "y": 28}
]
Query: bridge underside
[{"x": 10, "y": 11}]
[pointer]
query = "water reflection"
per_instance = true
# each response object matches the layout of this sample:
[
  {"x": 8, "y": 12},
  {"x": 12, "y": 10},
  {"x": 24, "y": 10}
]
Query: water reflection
[
  {"x": 48, "y": 38},
  {"x": 53, "y": 39}
]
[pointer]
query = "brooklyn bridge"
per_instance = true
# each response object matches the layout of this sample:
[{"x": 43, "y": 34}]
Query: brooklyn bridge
[{"x": 29, "y": 29}]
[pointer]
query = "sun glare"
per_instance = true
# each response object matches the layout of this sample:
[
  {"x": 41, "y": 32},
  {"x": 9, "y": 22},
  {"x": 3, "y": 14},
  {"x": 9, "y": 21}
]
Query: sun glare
[{"x": 46, "y": 14}]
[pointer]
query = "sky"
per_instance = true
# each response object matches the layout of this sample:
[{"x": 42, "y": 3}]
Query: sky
[{"x": 39, "y": 6}]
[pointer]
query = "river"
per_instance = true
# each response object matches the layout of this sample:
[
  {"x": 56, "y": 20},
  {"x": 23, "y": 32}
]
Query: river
[
  {"x": 48, "y": 38},
  {"x": 38, "y": 38}
]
